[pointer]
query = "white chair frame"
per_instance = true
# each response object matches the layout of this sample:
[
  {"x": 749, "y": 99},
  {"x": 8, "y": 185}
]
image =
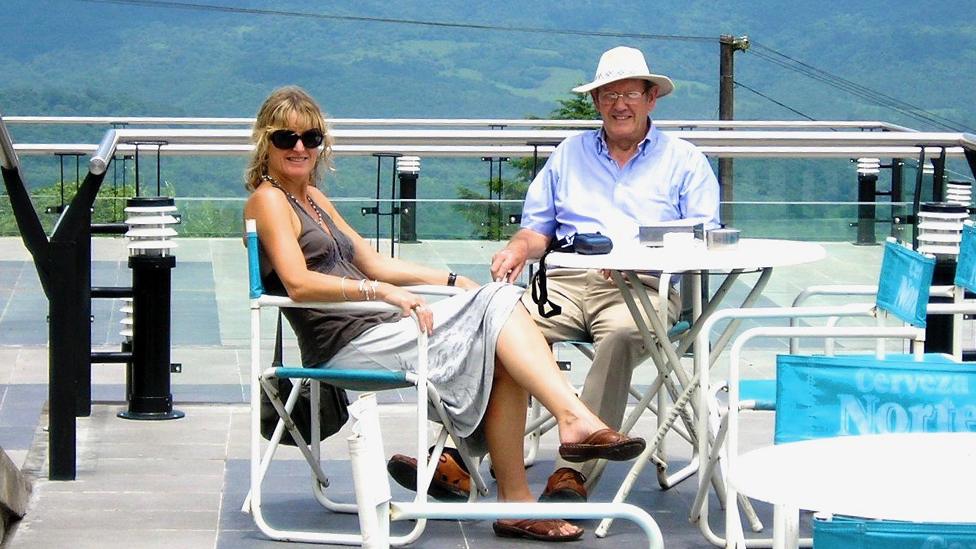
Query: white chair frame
[{"x": 419, "y": 509}]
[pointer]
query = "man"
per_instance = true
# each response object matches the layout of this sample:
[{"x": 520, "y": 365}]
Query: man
[{"x": 611, "y": 180}]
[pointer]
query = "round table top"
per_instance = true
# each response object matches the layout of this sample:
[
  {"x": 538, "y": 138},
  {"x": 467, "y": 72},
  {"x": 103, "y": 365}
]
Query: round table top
[
  {"x": 921, "y": 477},
  {"x": 749, "y": 253}
]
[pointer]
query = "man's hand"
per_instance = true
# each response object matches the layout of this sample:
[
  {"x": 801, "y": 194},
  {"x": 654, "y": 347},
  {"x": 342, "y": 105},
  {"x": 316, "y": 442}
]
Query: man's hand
[{"x": 507, "y": 265}]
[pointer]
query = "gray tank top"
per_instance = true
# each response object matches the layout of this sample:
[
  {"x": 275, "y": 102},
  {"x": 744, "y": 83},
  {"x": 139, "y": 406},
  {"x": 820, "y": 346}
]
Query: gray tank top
[{"x": 322, "y": 333}]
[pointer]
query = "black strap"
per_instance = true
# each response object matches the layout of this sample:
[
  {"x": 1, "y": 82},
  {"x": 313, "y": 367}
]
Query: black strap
[
  {"x": 276, "y": 361},
  {"x": 540, "y": 292}
]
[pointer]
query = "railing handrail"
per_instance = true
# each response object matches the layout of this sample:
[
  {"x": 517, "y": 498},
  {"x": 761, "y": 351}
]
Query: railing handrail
[
  {"x": 447, "y": 151},
  {"x": 458, "y": 122},
  {"x": 719, "y": 143},
  {"x": 8, "y": 154}
]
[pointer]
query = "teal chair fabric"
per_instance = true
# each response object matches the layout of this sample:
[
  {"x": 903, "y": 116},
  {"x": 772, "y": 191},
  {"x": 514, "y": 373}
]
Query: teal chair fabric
[
  {"x": 824, "y": 396},
  {"x": 902, "y": 290},
  {"x": 821, "y": 396},
  {"x": 842, "y": 532},
  {"x": 966, "y": 267}
]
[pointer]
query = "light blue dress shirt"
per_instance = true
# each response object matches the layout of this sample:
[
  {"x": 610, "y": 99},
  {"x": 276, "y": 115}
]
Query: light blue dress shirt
[{"x": 581, "y": 189}]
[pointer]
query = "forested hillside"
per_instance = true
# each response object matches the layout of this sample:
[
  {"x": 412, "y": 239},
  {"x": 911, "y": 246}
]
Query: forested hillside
[{"x": 495, "y": 59}]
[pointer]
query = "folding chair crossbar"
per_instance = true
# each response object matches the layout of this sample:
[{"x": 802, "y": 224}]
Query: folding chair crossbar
[{"x": 357, "y": 380}]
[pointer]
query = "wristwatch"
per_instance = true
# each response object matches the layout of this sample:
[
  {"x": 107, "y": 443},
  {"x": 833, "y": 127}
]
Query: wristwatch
[{"x": 451, "y": 279}]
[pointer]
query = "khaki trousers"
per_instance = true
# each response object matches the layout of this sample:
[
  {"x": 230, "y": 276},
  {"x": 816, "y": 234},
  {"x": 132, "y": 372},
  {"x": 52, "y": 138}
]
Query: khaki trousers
[{"x": 593, "y": 310}]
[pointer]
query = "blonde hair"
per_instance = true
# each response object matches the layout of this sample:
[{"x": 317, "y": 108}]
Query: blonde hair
[{"x": 276, "y": 113}]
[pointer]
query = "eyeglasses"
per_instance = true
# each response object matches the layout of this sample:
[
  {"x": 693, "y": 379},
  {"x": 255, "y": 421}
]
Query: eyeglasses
[
  {"x": 609, "y": 98},
  {"x": 286, "y": 139}
]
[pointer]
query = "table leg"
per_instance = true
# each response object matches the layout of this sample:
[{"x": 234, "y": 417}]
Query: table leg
[{"x": 786, "y": 527}]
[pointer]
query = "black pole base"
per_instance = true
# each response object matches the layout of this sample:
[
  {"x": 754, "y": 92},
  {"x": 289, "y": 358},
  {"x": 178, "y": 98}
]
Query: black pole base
[{"x": 150, "y": 416}]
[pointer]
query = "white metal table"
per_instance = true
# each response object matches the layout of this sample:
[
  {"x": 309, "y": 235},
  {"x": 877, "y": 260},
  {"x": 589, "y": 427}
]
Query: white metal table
[
  {"x": 624, "y": 264},
  {"x": 864, "y": 476}
]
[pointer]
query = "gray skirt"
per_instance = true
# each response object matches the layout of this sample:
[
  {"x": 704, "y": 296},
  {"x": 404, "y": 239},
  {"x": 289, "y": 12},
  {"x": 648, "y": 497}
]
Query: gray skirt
[{"x": 461, "y": 356}]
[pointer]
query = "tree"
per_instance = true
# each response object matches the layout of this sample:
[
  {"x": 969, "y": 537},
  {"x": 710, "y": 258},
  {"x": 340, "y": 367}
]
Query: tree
[{"x": 490, "y": 220}]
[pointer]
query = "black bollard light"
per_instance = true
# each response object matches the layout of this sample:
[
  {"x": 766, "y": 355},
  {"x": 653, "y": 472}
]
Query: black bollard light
[
  {"x": 939, "y": 233},
  {"x": 151, "y": 260},
  {"x": 408, "y": 170},
  {"x": 867, "y": 189}
]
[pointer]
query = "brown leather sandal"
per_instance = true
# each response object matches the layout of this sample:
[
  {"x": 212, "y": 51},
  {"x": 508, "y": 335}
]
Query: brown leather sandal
[
  {"x": 540, "y": 529},
  {"x": 451, "y": 481},
  {"x": 603, "y": 444}
]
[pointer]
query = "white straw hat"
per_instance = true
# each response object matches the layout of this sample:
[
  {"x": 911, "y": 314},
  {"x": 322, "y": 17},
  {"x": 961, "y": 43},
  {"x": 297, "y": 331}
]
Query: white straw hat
[{"x": 622, "y": 63}]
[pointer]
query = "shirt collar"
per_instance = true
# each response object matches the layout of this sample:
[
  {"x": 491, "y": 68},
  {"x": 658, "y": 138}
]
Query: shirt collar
[{"x": 650, "y": 139}]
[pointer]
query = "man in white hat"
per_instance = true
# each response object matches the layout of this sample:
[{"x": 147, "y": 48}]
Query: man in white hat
[{"x": 611, "y": 180}]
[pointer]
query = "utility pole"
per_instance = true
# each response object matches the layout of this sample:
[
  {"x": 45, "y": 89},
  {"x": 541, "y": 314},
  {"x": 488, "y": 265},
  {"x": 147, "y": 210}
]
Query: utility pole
[{"x": 726, "y": 111}]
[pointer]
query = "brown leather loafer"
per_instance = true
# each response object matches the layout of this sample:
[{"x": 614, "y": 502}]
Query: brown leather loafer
[
  {"x": 565, "y": 486},
  {"x": 451, "y": 481},
  {"x": 603, "y": 444}
]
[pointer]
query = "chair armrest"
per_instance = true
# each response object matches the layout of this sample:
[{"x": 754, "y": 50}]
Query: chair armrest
[
  {"x": 352, "y": 306},
  {"x": 857, "y": 289}
]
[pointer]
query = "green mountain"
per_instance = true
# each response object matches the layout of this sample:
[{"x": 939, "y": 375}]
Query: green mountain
[{"x": 501, "y": 59}]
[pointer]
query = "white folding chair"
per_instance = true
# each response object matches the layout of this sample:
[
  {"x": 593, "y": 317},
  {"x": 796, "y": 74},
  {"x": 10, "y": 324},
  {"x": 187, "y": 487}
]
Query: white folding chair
[
  {"x": 964, "y": 281},
  {"x": 904, "y": 282},
  {"x": 262, "y": 379},
  {"x": 376, "y": 510}
]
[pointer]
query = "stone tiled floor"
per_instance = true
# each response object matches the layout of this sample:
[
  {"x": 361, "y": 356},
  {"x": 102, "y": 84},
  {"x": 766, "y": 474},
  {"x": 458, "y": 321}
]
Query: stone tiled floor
[{"x": 181, "y": 483}]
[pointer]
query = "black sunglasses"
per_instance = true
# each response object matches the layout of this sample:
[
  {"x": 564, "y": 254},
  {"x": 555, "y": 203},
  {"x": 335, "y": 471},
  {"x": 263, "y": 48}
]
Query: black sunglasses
[{"x": 286, "y": 139}]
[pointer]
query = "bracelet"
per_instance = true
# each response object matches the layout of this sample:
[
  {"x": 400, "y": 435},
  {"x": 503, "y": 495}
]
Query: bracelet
[
  {"x": 342, "y": 287},
  {"x": 451, "y": 279},
  {"x": 373, "y": 285},
  {"x": 362, "y": 290}
]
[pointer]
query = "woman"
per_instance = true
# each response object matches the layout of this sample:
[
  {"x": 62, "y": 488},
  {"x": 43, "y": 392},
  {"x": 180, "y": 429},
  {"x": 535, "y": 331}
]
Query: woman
[{"x": 485, "y": 351}]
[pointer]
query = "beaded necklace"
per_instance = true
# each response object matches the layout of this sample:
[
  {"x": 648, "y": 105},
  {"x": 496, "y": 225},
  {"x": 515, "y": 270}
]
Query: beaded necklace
[{"x": 315, "y": 208}]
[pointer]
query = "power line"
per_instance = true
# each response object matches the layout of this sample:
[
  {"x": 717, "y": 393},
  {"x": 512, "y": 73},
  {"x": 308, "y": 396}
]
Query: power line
[
  {"x": 356, "y": 18},
  {"x": 855, "y": 85},
  {"x": 854, "y": 88},
  {"x": 785, "y": 106}
]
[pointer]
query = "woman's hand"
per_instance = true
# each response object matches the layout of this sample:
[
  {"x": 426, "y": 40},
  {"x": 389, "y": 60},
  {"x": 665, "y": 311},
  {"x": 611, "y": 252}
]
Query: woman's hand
[{"x": 408, "y": 303}]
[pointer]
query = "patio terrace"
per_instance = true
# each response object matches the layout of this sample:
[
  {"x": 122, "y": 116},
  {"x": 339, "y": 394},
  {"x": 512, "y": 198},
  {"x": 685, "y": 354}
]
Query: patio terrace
[{"x": 181, "y": 483}]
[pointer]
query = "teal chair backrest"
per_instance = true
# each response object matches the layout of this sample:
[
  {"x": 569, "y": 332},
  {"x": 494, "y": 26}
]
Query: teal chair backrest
[
  {"x": 825, "y": 396},
  {"x": 966, "y": 266},
  {"x": 256, "y": 288},
  {"x": 904, "y": 283}
]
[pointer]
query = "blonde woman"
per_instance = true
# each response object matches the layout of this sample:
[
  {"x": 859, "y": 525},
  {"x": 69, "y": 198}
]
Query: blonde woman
[{"x": 486, "y": 354}]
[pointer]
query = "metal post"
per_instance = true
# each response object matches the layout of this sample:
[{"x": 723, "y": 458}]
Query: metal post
[
  {"x": 375, "y": 210},
  {"x": 938, "y": 177},
  {"x": 495, "y": 210},
  {"x": 897, "y": 195},
  {"x": 728, "y": 45}
]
